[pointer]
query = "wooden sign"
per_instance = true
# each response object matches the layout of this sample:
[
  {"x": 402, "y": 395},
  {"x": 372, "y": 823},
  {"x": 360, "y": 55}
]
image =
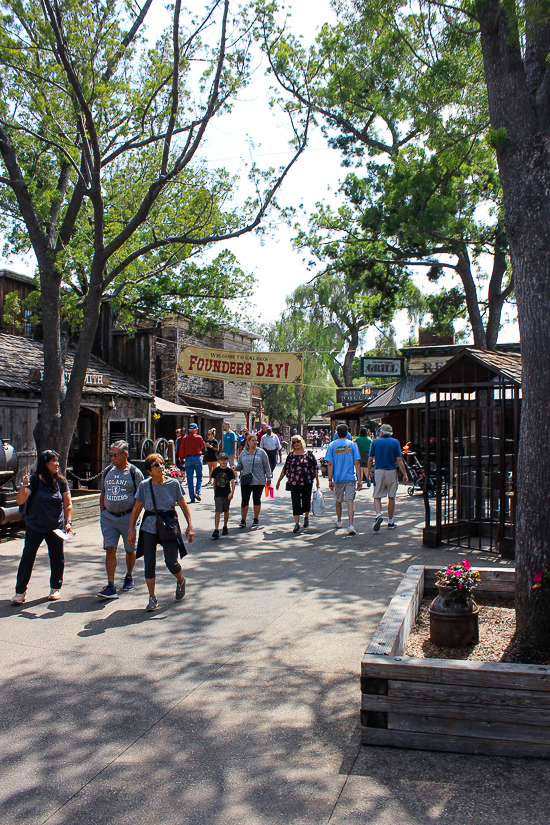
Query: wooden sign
[
  {"x": 230, "y": 365},
  {"x": 425, "y": 366},
  {"x": 372, "y": 367}
]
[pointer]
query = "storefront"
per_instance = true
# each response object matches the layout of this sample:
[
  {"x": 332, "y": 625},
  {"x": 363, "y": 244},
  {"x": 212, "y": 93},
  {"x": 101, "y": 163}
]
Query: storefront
[{"x": 112, "y": 408}]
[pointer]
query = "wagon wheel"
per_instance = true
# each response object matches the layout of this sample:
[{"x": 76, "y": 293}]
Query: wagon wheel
[
  {"x": 161, "y": 447},
  {"x": 145, "y": 448}
]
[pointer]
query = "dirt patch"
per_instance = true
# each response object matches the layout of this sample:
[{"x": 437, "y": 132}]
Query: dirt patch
[{"x": 497, "y": 639}]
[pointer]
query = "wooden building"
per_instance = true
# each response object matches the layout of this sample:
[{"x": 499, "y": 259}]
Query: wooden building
[
  {"x": 472, "y": 415},
  {"x": 113, "y": 407}
]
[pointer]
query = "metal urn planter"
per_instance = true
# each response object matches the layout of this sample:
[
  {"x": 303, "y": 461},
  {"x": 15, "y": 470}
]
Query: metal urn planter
[{"x": 454, "y": 619}]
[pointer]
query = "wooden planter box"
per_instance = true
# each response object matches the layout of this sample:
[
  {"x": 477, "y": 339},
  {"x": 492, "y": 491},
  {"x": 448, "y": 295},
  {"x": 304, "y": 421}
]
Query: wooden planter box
[{"x": 451, "y": 705}]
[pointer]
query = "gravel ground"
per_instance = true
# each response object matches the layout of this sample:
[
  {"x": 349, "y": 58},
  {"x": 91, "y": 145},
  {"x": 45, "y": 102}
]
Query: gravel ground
[{"x": 497, "y": 641}]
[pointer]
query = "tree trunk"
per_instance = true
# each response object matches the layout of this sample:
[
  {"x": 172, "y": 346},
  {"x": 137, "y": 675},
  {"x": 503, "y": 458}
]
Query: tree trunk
[
  {"x": 496, "y": 299},
  {"x": 48, "y": 429},
  {"x": 350, "y": 355},
  {"x": 464, "y": 270},
  {"x": 524, "y": 164}
]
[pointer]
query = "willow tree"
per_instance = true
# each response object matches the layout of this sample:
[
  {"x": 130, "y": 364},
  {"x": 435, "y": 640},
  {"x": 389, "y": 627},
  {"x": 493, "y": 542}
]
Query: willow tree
[{"x": 101, "y": 140}]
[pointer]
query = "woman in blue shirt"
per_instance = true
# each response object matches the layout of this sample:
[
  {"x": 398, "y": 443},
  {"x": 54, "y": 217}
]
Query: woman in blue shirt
[{"x": 50, "y": 509}]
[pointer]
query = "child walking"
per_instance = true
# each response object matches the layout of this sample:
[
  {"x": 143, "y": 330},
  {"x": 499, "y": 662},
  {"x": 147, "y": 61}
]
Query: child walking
[{"x": 223, "y": 479}]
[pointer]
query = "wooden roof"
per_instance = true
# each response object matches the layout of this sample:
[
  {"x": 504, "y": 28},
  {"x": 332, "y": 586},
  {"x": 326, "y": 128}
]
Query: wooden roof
[
  {"x": 20, "y": 356},
  {"x": 473, "y": 366}
]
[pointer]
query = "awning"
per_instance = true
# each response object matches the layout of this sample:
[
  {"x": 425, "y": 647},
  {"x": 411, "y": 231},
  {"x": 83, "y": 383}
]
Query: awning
[{"x": 172, "y": 409}]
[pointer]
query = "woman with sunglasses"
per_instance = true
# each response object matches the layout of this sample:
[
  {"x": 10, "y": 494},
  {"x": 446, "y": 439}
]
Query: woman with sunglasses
[
  {"x": 211, "y": 456},
  {"x": 159, "y": 493},
  {"x": 301, "y": 469},
  {"x": 255, "y": 472},
  {"x": 49, "y": 509}
]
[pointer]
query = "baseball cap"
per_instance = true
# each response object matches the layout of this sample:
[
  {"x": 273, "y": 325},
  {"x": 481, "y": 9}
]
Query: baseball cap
[
  {"x": 223, "y": 455},
  {"x": 386, "y": 428},
  {"x": 193, "y": 426}
]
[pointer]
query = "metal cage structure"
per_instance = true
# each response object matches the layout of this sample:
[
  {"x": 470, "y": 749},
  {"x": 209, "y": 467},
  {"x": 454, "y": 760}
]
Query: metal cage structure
[{"x": 472, "y": 417}]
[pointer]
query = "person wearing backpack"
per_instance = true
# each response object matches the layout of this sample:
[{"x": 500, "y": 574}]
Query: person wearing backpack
[
  {"x": 118, "y": 486},
  {"x": 48, "y": 508}
]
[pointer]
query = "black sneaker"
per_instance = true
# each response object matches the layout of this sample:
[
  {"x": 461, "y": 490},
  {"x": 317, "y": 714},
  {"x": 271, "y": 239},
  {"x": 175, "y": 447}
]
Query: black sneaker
[
  {"x": 108, "y": 592},
  {"x": 377, "y": 522},
  {"x": 128, "y": 582},
  {"x": 255, "y": 522},
  {"x": 392, "y": 525},
  {"x": 225, "y": 531},
  {"x": 216, "y": 534},
  {"x": 306, "y": 522},
  {"x": 197, "y": 497},
  {"x": 242, "y": 523},
  {"x": 296, "y": 528},
  {"x": 180, "y": 590}
]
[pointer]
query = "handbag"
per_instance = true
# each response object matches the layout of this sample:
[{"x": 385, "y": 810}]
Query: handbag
[
  {"x": 247, "y": 478},
  {"x": 164, "y": 533},
  {"x": 318, "y": 503}
]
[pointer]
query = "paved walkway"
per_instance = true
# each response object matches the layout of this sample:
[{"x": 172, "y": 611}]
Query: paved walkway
[{"x": 237, "y": 706}]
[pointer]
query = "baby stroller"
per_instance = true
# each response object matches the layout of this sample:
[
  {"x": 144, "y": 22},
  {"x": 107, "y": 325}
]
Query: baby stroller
[{"x": 417, "y": 474}]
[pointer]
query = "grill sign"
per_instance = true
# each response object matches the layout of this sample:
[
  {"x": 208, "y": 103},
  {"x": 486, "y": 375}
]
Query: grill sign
[{"x": 381, "y": 367}]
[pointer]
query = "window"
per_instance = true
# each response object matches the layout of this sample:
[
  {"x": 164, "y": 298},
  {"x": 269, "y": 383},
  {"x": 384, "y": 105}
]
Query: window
[{"x": 137, "y": 431}]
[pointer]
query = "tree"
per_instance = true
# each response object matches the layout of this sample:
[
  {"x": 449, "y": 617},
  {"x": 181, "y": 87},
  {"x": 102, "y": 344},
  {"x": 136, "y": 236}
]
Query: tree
[
  {"x": 515, "y": 42},
  {"x": 100, "y": 138},
  {"x": 355, "y": 290},
  {"x": 412, "y": 111},
  {"x": 289, "y": 402}
]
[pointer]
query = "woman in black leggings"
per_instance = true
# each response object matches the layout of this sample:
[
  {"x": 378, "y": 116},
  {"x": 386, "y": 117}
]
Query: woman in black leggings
[{"x": 160, "y": 493}]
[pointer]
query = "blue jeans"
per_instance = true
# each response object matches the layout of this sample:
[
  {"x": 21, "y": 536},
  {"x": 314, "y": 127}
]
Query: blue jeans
[{"x": 193, "y": 464}]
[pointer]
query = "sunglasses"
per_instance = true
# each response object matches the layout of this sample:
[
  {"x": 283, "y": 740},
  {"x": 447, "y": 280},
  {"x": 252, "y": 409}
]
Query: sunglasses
[{"x": 157, "y": 464}]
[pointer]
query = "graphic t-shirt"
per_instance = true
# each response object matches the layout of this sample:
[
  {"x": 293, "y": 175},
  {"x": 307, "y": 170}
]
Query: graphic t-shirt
[
  {"x": 222, "y": 479},
  {"x": 166, "y": 496},
  {"x": 118, "y": 489},
  {"x": 343, "y": 453}
]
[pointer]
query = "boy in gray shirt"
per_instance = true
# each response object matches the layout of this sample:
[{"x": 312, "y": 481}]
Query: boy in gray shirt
[{"x": 118, "y": 488}]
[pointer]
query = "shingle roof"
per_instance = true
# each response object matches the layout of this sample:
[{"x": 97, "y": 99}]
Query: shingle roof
[
  {"x": 403, "y": 392},
  {"x": 506, "y": 364},
  {"x": 18, "y": 356}
]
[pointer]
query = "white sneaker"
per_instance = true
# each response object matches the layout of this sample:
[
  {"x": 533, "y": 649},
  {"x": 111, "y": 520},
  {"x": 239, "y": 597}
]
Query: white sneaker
[
  {"x": 19, "y": 598},
  {"x": 54, "y": 595},
  {"x": 351, "y": 530},
  {"x": 337, "y": 523}
]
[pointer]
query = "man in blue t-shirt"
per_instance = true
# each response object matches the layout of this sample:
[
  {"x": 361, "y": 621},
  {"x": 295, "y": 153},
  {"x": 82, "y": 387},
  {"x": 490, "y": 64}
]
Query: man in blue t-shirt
[
  {"x": 230, "y": 441},
  {"x": 385, "y": 452},
  {"x": 344, "y": 474}
]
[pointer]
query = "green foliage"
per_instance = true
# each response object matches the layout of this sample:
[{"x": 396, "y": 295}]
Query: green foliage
[
  {"x": 288, "y": 402},
  {"x": 496, "y": 138},
  {"x": 107, "y": 145},
  {"x": 12, "y": 310}
]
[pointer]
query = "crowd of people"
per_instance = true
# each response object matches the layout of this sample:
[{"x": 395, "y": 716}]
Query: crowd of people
[{"x": 126, "y": 496}]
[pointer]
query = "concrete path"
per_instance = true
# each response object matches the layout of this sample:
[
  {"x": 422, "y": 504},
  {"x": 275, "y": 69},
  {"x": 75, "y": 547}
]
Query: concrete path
[{"x": 237, "y": 706}]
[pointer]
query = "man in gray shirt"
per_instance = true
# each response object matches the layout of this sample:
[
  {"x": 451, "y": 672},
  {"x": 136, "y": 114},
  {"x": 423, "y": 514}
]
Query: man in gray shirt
[{"x": 118, "y": 495}]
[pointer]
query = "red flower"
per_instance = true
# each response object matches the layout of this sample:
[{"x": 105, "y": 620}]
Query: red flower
[{"x": 466, "y": 564}]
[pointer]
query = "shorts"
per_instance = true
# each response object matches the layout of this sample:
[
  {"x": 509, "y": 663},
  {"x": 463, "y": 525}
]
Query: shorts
[
  {"x": 115, "y": 527},
  {"x": 344, "y": 491},
  {"x": 222, "y": 504},
  {"x": 386, "y": 483},
  {"x": 364, "y": 459}
]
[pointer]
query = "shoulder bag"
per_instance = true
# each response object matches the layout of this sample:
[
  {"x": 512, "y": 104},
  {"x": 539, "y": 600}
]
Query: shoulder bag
[
  {"x": 164, "y": 532},
  {"x": 247, "y": 478}
]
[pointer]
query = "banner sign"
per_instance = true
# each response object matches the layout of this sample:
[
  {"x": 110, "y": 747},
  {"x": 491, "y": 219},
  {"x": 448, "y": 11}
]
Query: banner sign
[
  {"x": 235, "y": 365},
  {"x": 381, "y": 367}
]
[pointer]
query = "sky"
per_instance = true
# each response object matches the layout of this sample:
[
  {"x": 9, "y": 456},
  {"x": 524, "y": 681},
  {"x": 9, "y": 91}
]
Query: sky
[{"x": 276, "y": 266}]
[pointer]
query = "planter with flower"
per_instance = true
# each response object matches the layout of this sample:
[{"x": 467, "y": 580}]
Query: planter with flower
[
  {"x": 175, "y": 472},
  {"x": 541, "y": 578},
  {"x": 454, "y": 616}
]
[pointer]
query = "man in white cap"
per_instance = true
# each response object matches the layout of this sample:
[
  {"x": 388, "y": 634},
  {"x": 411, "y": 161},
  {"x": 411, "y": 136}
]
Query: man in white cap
[{"x": 385, "y": 452}]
